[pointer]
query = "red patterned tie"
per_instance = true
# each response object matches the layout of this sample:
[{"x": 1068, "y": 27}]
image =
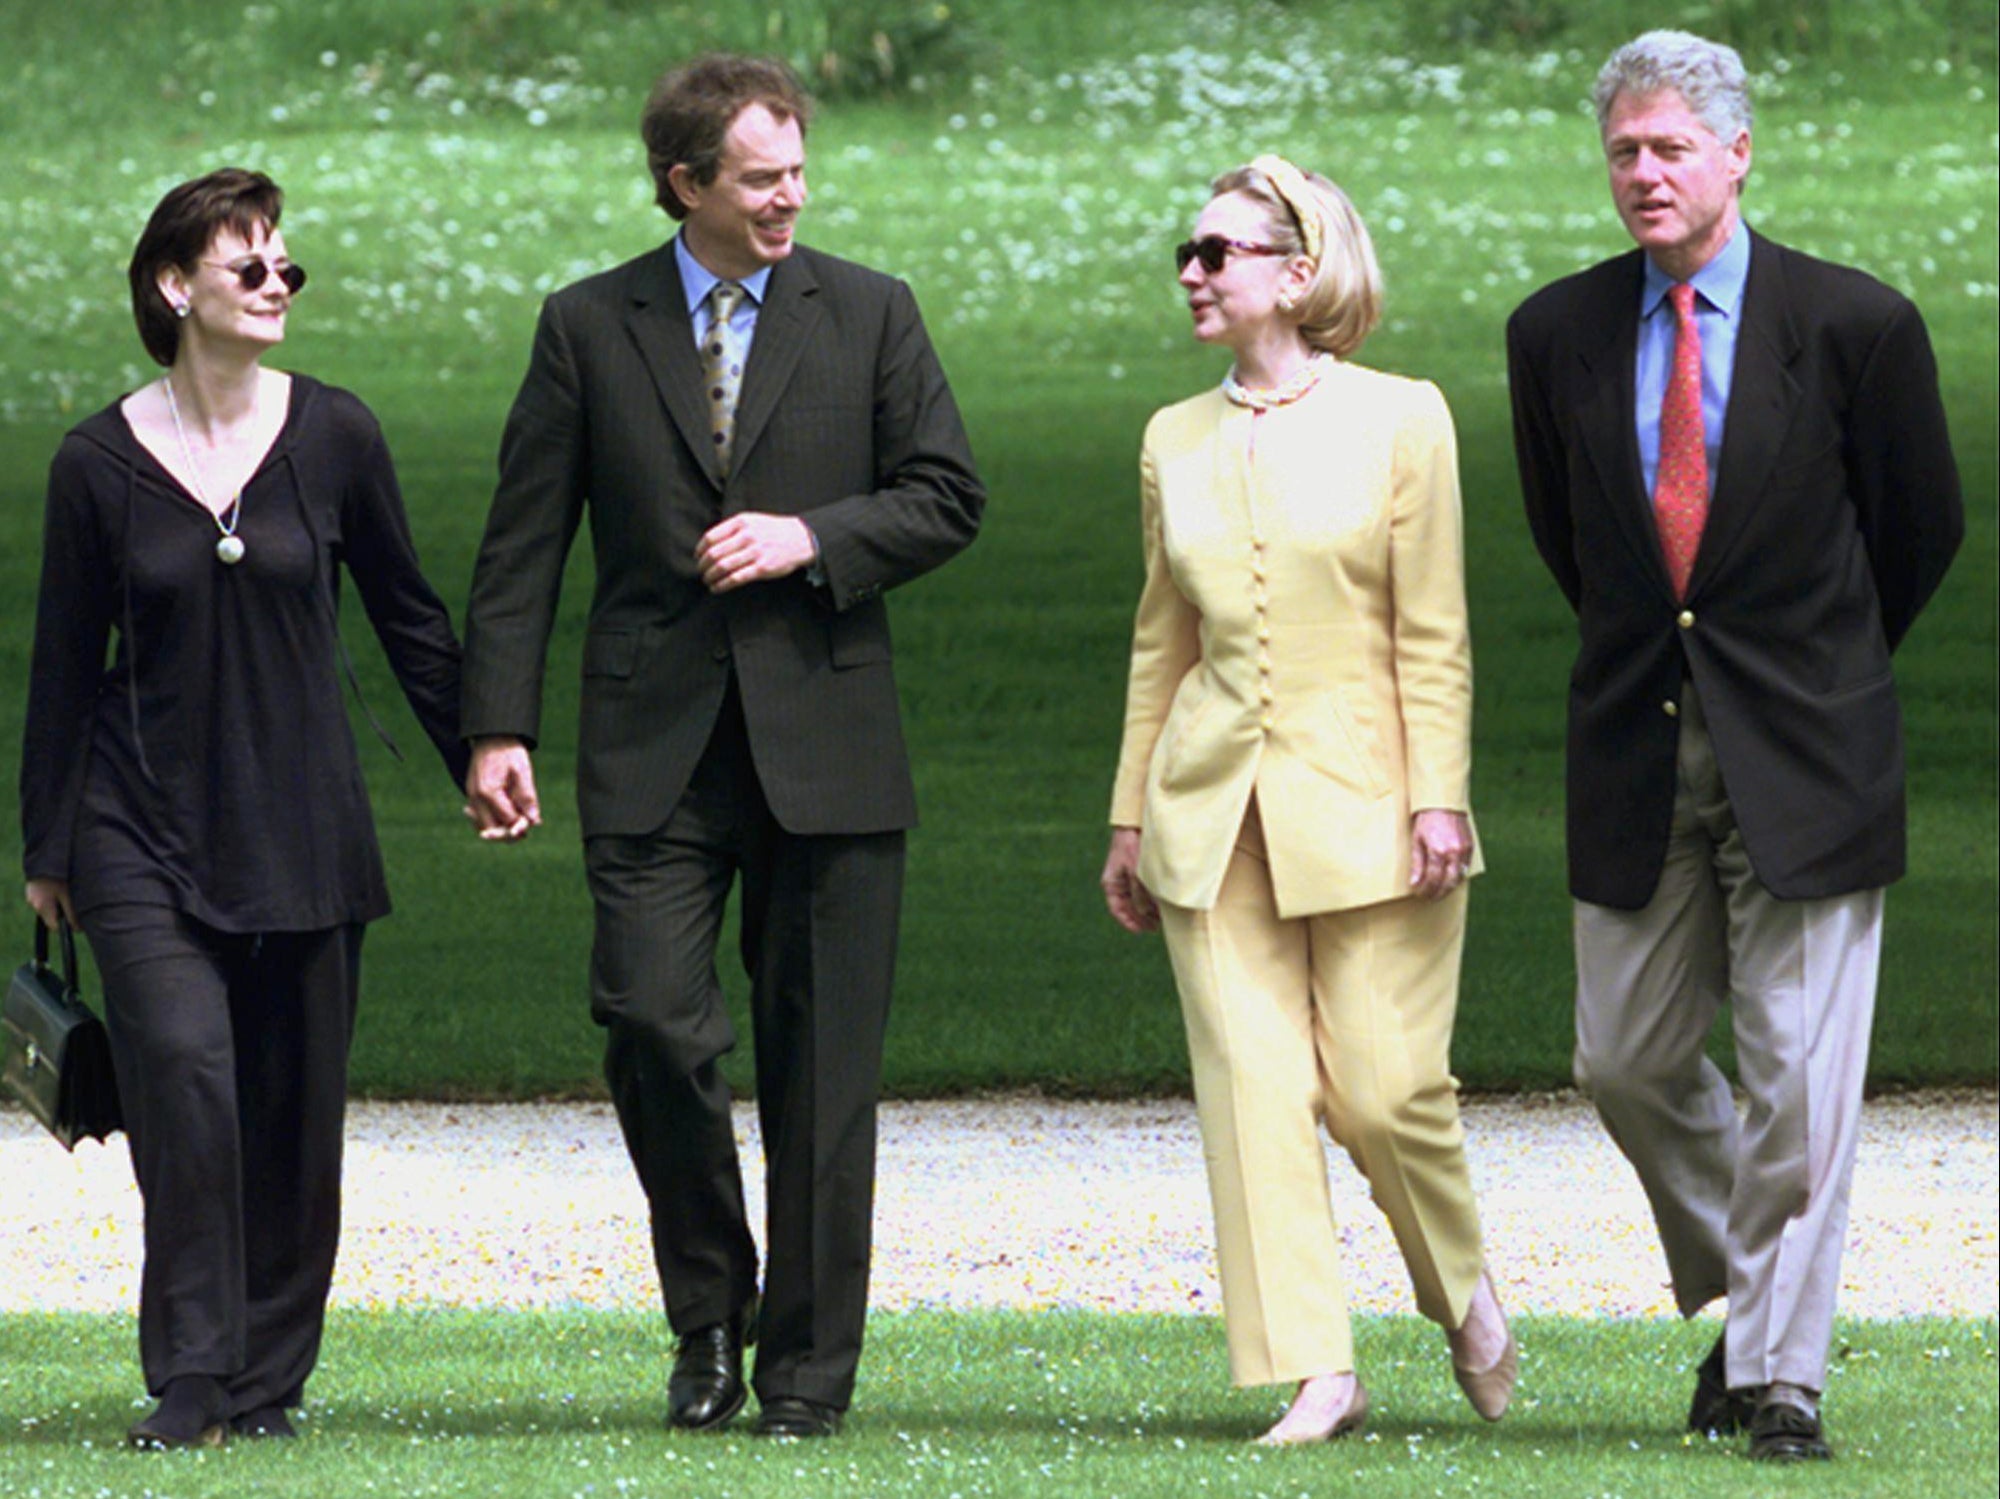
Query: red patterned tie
[{"x": 1680, "y": 491}]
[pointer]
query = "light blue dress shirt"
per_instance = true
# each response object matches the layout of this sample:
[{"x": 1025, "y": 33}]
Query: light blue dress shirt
[
  {"x": 1718, "y": 317},
  {"x": 697, "y": 280}
]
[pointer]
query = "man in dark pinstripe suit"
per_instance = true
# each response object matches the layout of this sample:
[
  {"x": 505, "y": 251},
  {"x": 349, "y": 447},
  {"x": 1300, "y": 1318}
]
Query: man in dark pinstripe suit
[{"x": 739, "y": 709}]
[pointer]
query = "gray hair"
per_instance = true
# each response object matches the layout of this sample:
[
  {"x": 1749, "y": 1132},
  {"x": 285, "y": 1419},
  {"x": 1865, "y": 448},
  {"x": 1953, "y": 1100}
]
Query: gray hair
[{"x": 1707, "y": 75}]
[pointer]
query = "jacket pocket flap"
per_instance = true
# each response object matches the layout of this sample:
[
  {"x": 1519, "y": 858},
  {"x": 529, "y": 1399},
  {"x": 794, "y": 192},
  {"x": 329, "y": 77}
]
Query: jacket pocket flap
[{"x": 610, "y": 654}]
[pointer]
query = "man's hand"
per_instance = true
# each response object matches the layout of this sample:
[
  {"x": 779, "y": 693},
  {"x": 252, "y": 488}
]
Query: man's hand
[
  {"x": 500, "y": 790},
  {"x": 1131, "y": 903},
  {"x": 753, "y": 548}
]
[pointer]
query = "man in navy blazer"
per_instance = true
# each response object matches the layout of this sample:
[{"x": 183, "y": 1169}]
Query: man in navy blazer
[
  {"x": 763, "y": 442},
  {"x": 1747, "y": 493}
]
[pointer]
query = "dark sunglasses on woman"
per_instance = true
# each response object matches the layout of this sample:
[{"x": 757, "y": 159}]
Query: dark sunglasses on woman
[
  {"x": 1212, "y": 250},
  {"x": 253, "y": 272}
]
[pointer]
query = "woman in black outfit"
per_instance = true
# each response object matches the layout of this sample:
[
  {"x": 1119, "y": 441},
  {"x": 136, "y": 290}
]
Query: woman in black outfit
[{"x": 196, "y": 805}]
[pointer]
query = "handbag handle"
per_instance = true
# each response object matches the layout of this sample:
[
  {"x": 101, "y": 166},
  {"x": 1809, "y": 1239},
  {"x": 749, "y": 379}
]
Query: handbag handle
[{"x": 68, "y": 951}]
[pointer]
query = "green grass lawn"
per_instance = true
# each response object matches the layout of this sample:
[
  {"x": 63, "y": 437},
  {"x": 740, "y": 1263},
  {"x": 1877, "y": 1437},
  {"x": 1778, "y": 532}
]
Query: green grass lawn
[
  {"x": 1031, "y": 207},
  {"x": 999, "y": 1405},
  {"x": 995, "y": 1404}
]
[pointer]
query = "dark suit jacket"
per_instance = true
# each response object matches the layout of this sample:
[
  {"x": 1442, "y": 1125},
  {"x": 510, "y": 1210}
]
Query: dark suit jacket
[
  {"x": 844, "y": 418},
  {"x": 1836, "y": 511}
]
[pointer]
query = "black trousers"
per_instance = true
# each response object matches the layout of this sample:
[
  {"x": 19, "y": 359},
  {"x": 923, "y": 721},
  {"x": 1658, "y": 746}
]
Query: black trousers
[
  {"x": 231, "y": 1053},
  {"x": 819, "y": 922}
]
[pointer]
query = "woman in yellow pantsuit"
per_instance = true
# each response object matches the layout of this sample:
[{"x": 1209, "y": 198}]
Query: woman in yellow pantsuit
[{"x": 1291, "y": 801}]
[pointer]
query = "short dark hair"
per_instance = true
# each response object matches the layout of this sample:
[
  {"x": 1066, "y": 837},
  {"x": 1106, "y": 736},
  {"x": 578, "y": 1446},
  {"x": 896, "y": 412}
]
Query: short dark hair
[
  {"x": 184, "y": 224},
  {"x": 692, "y": 107}
]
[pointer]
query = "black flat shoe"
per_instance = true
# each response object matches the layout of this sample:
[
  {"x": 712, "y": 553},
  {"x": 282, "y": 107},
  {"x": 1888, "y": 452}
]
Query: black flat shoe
[
  {"x": 189, "y": 1415},
  {"x": 1781, "y": 1432},
  {"x": 790, "y": 1416},
  {"x": 1717, "y": 1410},
  {"x": 265, "y": 1421},
  {"x": 706, "y": 1388}
]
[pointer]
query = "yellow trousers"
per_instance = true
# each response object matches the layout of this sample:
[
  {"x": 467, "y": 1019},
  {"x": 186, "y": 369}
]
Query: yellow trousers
[{"x": 1343, "y": 1018}]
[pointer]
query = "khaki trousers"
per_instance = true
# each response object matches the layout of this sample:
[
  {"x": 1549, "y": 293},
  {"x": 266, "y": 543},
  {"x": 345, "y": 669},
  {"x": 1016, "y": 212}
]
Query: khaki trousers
[
  {"x": 1755, "y": 1210},
  {"x": 1343, "y": 1019}
]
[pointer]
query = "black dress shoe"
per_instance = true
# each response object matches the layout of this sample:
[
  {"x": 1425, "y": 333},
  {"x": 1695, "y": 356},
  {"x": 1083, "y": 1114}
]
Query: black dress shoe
[
  {"x": 1782, "y": 1432},
  {"x": 1717, "y": 1410},
  {"x": 190, "y": 1414},
  {"x": 706, "y": 1389},
  {"x": 790, "y": 1416},
  {"x": 265, "y": 1421}
]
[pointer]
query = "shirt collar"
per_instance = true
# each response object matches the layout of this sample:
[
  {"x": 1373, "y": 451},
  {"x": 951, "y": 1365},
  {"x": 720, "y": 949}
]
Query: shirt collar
[
  {"x": 1720, "y": 282},
  {"x": 696, "y": 278}
]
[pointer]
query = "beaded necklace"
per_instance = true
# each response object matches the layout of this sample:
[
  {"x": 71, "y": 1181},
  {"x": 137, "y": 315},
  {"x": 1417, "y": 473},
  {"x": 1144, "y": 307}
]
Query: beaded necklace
[{"x": 1302, "y": 380}]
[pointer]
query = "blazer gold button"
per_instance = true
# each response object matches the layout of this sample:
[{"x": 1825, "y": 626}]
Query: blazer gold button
[
  {"x": 1685, "y": 619},
  {"x": 1671, "y": 708}
]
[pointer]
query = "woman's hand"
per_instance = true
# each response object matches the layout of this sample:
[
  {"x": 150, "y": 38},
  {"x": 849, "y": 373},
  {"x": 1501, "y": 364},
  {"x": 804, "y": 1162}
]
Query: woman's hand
[
  {"x": 1130, "y": 902},
  {"x": 50, "y": 898},
  {"x": 500, "y": 798},
  {"x": 1440, "y": 852}
]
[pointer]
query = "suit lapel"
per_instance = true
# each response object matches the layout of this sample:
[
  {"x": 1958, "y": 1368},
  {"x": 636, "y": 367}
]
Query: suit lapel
[
  {"x": 785, "y": 324},
  {"x": 658, "y": 318},
  {"x": 1605, "y": 417},
  {"x": 1763, "y": 394}
]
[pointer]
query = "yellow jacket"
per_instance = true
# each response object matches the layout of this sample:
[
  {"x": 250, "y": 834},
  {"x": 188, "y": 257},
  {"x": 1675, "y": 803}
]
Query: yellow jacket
[{"x": 1302, "y": 634}]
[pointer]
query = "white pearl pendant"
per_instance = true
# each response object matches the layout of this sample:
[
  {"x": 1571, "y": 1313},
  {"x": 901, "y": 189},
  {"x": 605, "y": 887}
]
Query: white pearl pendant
[{"x": 230, "y": 550}]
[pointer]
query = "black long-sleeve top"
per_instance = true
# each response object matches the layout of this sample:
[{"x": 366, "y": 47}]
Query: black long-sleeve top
[{"x": 209, "y": 766}]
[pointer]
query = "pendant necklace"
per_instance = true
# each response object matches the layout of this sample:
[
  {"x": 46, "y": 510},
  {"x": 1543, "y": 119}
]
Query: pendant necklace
[{"x": 229, "y": 549}]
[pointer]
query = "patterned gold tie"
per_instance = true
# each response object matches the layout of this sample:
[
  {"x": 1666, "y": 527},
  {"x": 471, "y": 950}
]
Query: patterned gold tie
[
  {"x": 722, "y": 368},
  {"x": 1680, "y": 490}
]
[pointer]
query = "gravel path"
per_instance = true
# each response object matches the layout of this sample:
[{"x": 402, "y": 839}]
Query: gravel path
[{"x": 1012, "y": 1202}]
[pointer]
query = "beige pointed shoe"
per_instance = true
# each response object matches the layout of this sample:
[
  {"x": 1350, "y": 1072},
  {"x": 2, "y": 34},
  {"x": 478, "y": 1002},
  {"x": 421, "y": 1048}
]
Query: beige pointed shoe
[{"x": 1490, "y": 1391}]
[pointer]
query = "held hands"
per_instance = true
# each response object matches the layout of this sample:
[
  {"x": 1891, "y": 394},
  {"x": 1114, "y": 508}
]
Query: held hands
[
  {"x": 1440, "y": 852},
  {"x": 50, "y": 898},
  {"x": 753, "y": 548},
  {"x": 500, "y": 790},
  {"x": 1131, "y": 903}
]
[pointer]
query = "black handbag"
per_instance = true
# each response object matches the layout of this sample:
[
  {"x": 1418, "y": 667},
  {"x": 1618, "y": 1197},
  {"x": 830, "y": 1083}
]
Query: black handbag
[{"x": 55, "y": 1055}]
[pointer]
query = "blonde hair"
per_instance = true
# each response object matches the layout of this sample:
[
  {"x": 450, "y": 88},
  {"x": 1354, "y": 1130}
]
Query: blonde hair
[{"x": 1343, "y": 303}]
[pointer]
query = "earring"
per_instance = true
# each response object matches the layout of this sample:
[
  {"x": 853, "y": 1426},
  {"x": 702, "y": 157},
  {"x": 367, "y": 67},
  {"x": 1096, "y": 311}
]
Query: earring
[
  {"x": 1287, "y": 302},
  {"x": 181, "y": 310}
]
